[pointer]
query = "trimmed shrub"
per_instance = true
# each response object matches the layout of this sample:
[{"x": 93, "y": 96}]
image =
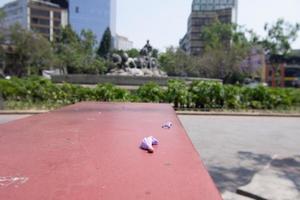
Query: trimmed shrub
[
  {"x": 232, "y": 97},
  {"x": 151, "y": 92},
  {"x": 199, "y": 94},
  {"x": 109, "y": 92},
  {"x": 206, "y": 94},
  {"x": 178, "y": 93}
]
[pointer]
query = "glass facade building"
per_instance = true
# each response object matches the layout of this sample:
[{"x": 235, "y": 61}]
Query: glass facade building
[
  {"x": 95, "y": 15},
  {"x": 201, "y": 5},
  {"x": 213, "y": 5}
]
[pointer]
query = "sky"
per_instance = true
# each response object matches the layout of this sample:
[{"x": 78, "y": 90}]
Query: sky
[{"x": 164, "y": 22}]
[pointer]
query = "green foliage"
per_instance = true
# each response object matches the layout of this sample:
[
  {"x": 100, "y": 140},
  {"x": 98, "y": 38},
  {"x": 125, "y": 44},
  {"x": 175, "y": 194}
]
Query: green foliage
[
  {"x": 76, "y": 54},
  {"x": 2, "y": 55},
  {"x": 279, "y": 37},
  {"x": 105, "y": 44},
  {"x": 295, "y": 96},
  {"x": 217, "y": 35},
  {"x": 232, "y": 97},
  {"x": 225, "y": 47},
  {"x": 199, "y": 94},
  {"x": 2, "y": 49},
  {"x": 150, "y": 92},
  {"x": 173, "y": 61},
  {"x": 255, "y": 97},
  {"x": 207, "y": 94},
  {"x": 32, "y": 52},
  {"x": 265, "y": 98},
  {"x": 2, "y": 16},
  {"x": 223, "y": 36},
  {"x": 133, "y": 53},
  {"x": 177, "y": 63},
  {"x": 109, "y": 92},
  {"x": 155, "y": 53},
  {"x": 178, "y": 93},
  {"x": 35, "y": 89}
]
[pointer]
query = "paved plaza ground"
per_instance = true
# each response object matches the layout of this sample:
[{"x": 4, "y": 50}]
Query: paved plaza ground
[
  {"x": 261, "y": 153},
  {"x": 8, "y": 118},
  {"x": 238, "y": 149}
]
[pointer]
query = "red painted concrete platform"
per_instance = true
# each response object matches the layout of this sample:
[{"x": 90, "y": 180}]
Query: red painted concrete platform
[{"x": 91, "y": 151}]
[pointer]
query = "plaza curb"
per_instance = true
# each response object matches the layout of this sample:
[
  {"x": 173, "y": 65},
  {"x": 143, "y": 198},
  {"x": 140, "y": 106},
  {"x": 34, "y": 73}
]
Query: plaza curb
[
  {"x": 238, "y": 114},
  {"x": 199, "y": 113},
  {"x": 22, "y": 112}
]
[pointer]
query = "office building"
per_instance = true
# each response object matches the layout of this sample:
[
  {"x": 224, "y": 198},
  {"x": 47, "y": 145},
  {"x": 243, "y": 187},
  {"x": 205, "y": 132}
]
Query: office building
[
  {"x": 16, "y": 12},
  {"x": 95, "y": 15},
  {"x": 41, "y": 16},
  {"x": 204, "y": 12},
  {"x": 47, "y": 16}
]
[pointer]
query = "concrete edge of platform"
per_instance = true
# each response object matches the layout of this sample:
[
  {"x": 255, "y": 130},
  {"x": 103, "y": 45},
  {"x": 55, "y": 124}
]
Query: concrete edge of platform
[
  {"x": 238, "y": 114},
  {"x": 22, "y": 112},
  {"x": 200, "y": 113}
]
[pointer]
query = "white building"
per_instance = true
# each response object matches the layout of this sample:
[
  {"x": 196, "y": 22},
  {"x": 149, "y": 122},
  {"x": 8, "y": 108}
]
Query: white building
[
  {"x": 122, "y": 43},
  {"x": 15, "y": 12},
  {"x": 37, "y": 15}
]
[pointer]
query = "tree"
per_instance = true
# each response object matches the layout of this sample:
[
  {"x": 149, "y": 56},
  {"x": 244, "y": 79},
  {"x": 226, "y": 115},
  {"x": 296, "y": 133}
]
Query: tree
[
  {"x": 279, "y": 37},
  {"x": 278, "y": 41},
  {"x": 177, "y": 63},
  {"x": 2, "y": 52},
  {"x": 105, "y": 44},
  {"x": 225, "y": 47},
  {"x": 67, "y": 50},
  {"x": 133, "y": 53},
  {"x": 2, "y": 16},
  {"x": 155, "y": 53},
  {"x": 174, "y": 61},
  {"x": 32, "y": 52},
  {"x": 76, "y": 53},
  {"x": 217, "y": 36},
  {"x": 91, "y": 62}
]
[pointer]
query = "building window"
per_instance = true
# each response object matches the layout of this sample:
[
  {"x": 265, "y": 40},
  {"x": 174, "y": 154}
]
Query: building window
[
  {"x": 57, "y": 23},
  {"x": 77, "y": 9},
  {"x": 57, "y": 15},
  {"x": 42, "y": 30},
  {"x": 42, "y": 13},
  {"x": 35, "y": 20}
]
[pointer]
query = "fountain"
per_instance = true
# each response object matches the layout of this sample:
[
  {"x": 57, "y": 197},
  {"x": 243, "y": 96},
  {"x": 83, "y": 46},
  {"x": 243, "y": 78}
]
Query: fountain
[{"x": 143, "y": 65}]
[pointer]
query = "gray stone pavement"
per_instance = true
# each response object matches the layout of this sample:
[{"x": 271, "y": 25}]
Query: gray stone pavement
[
  {"x": 8, "y": 118},
  {"x": 235, "y": 149},
  {"x": 260, "y": 155},
  {"x": 271, "y": 183}
]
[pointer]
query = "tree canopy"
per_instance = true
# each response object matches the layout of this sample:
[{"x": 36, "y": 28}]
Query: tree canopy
[
  {"x": 133, "y": 53},
  {"x": 31, "y": 51},
  {"x": 76, "y": 53},
  {"x": 2, "y": 15},
  {"x": 279, "y": 37},
  {"x": 2, "y": 53},
  {"x": 105, "y": 44},
  {"x": 225, "y": 47}
]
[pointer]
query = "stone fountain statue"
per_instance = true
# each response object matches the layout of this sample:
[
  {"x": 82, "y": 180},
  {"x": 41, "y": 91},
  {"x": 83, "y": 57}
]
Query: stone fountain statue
[{"x": 143, "y": 65}]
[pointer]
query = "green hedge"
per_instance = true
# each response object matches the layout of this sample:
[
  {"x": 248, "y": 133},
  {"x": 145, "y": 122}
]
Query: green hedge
[{"x": 199, "y": 94}]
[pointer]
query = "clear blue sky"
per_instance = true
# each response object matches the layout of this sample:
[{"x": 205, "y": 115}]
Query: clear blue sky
[{"x": 164, "y": 22}]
